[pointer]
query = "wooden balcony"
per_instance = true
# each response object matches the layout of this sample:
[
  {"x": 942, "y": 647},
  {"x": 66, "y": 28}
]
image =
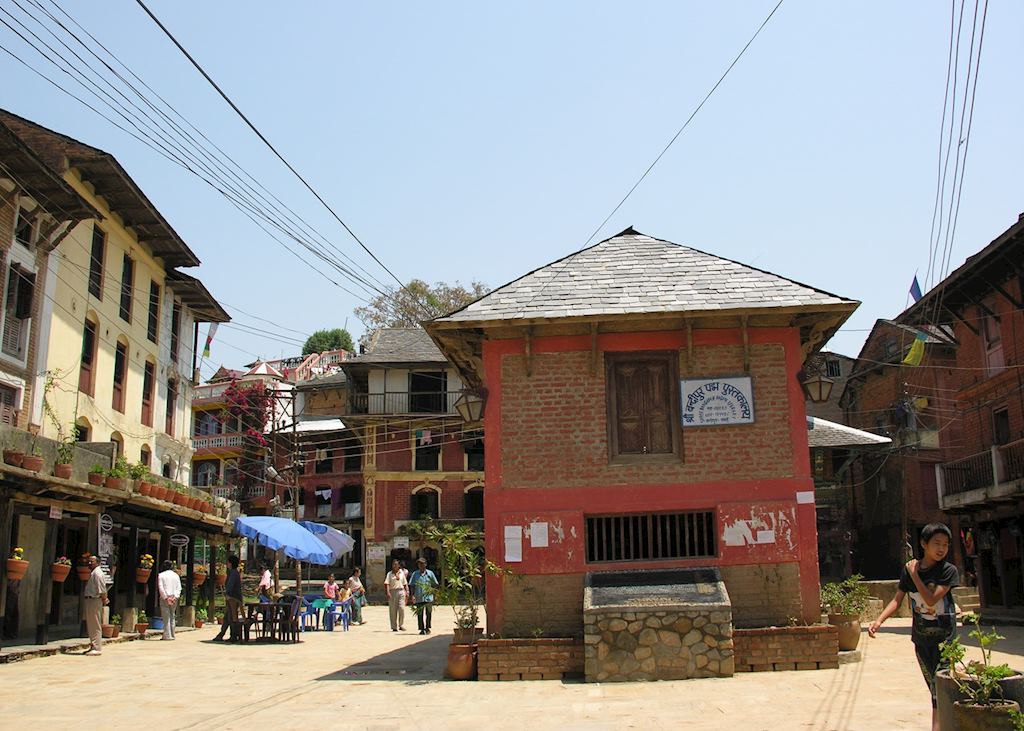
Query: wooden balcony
[
  {"x": 405, "y": 402},
  {"x": 986, "y": 478}
]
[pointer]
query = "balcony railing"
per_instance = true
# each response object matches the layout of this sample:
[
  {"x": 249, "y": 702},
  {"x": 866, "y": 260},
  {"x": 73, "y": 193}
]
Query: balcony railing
[
  {"x": 209, "y": 391},
  {"x": 405, "y": 402},
  {"x": 999, "y": 465},
  {"x": 213, "y": 441}
]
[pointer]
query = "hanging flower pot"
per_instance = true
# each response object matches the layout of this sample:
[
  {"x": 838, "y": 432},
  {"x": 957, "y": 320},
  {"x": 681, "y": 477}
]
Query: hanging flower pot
[
  {"x": 198, "y": 579},
  {"x": 142, "y": 575},
  {"x": 63, "y": 471},
  {"x": 32, "y": 463},
  {"x": 14, "y": 457},
  {"x": 83, "y": 573},
  {"x": 220, "y": 580},
  {"x": 16, "y": 569},
  {"x": 59, "y": 572}
]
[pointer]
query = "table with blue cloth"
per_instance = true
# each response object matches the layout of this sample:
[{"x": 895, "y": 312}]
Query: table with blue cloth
[{"x": 328, "y": 617}]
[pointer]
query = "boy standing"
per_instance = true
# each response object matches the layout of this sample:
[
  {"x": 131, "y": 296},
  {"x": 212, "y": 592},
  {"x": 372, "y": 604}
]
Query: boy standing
[{"x": 929, "y": 582}]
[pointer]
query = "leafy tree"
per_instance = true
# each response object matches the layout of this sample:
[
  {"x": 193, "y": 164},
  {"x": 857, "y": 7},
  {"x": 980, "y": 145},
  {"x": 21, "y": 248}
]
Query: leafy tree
[
  {"x": 324, "y": 340},
  {"x": 417, "y": 301}
]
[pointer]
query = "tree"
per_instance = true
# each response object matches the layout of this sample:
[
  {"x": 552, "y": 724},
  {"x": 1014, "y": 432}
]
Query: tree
[
  {"x": 323, "y": 340},
  {"x": 417, "y": 301}
]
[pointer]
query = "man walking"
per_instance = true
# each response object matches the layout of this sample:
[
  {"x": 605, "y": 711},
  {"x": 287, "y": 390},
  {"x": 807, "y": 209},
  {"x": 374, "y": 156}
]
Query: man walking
[
  {"x": 423, "y": 581},
  {"x": 95, "y": 596},
  {"x": 169, "y": 584},
  {"x": 233, "y": 600}
]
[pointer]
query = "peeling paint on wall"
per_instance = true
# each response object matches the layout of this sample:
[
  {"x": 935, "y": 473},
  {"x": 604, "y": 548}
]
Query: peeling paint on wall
[{"x": 760, "y": 528}]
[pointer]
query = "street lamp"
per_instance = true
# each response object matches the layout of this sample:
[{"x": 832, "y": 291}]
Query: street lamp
[
  {"x": 817, "y": 387},
  {"x": 470, "y": 405}
]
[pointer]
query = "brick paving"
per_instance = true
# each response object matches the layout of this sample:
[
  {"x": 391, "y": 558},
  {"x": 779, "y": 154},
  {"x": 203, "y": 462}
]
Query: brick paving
[{"x": 372, "y": 678}]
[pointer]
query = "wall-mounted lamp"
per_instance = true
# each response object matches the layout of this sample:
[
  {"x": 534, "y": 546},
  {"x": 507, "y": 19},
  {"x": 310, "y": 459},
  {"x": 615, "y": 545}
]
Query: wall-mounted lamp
[
  {"x": 817, "y": 387},
  {"x": 470, "y": 405}
]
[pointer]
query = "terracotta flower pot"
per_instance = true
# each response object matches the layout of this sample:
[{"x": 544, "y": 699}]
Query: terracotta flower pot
[
  {"x": 849, "y": 630},
  {"x": 16, "y": 569},
  {"x": 198, "y": 579},
  {"x": 83, "y": 573},
  {"x": 141, "y": 628},
  {"x": 145, "y": 489},
  {"x": 220, "y": 579},
  {"x": 13, "y": 457},
  {"x": 116, "y": 483},
  {"x": 181, "y": 498},
  {"x": 63, "y": 471},
  {"x": 96, "y": 478},
  {"x": 59, "y": 572},
  {"x": 461, "y": 662},
  {"x": 142, "y": 575},
  {"x": 108, "y": 630},
  {"x": 206, "y": 508},
  {"x": 993, "y": 717},
  {"x": 199, "y": 624},
  {"x": 32, "y": 463}
]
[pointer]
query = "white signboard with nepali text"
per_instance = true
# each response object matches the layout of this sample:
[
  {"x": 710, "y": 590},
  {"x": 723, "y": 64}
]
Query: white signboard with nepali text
[{"x": 717, "y": 401}]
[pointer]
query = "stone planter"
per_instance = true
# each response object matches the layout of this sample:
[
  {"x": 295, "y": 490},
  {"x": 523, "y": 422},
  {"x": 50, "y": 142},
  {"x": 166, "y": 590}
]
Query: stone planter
[
  {"x": 529, "y": 658},
  {"x": 848, "y": 626},
  {"x": 32, "y": 463},
  {"x": 16, "y": 569},
  {"x": 63, "y": 471},
  {"x": 947, "y": 693},
  {"x": 59, "y": 572},
  {"x": 13, "y": 457},
  {"x": 96, "y": 478},
  {"x": 802, "y": 647},
  {"x": 994, "y": 717},
  {"x": 116, "y": 483},
  {"x": 142, "y": 575}
]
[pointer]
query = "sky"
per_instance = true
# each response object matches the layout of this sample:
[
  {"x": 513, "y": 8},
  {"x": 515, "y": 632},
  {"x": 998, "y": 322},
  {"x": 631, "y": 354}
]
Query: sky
[{"x": 478, "y": 141}]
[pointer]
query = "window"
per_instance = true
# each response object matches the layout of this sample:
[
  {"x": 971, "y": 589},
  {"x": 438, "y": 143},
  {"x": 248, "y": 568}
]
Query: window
[
  {"x": 833, "y": 368},
  {"x": 165, "y": 471},
  {"x": 25, "y": 229},
  {"x": 17, "y": 310},
  {"x": 428, "y": 457},
  {"x": 118, "y": 441},
  {"x": 127, "y": 288},
  {"x": 153, "y": 326},
  {"x": 86, "y": 371},
  {"x": 205, "y": 473},
  {"x": 324, "y": 462},
  {"x": 120, "y": 374},
  {"x": 8, "y": 405},
  {"x": 424, "y": 504},
  {"x": 175, "y": 331},
  {"x": 643, "y": 403},
  {"x": 650, "y": 537},
  {"x": 473, "y": 506},
  {"x": 172, "y": 403},
  {"x": 323, "y": 501},
  {"x": 427, "y": 392},
  {"x": 351, "y": 497},
  {"x": 230, "y": 471},
  {"x": 1001, "y": 426},
  {"x": 81, "y": 433},
  {"x": 148, "y": 387},
  {"x": 991, "y": 339},
  {"x": 207, "y": 423},
  {"x": 145, "y": 456},
  {"x": 474, "y": 448},
  {"x": 99, "y": 245},
  {"x": 353, "y": 457}
]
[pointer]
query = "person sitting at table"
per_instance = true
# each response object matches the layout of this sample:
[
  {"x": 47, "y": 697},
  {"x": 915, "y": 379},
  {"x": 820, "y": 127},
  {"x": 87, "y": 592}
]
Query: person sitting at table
[
  {"x": 353, "y": 602},
  {"x": 331, "y": 588},
  {"x": 358, "y": 594},
  {"x": 265, "y": 588}
]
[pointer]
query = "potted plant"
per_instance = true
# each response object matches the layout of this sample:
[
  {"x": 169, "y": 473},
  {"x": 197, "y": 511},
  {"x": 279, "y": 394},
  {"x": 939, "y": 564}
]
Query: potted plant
[
  {"x": 16, "y": 564},
  {"x": 14, "y": 455},
  {"x": 219, "y": 617},
  {"x": 60, "y": 569},
  {"x": 115, "y": 624},
  {"x": 97, "y": 475},
  {"x": 142, "y": 622},
  {"x": 200, "y": 617},
  {"x": 984, "y": 705},
  {"x": 180, "y": 495},
  {"x": 845, "y": 601},
  {"x": 117, "y": 476},
  {"x": 83, "y": 569},
  {"x": 137, "y": 472},
  {"x": 33, "y": 461},
  {"x": 199, "y": 575},
  {"x": 221, "y": 575},
  {"x": 145, "y": 568},
  {"x": 65, "y": 455}
]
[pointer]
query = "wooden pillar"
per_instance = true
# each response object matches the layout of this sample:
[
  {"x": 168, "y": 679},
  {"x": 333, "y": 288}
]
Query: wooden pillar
[
  {"x": 45, "y": 583},
  {"x": 190, "y": 569},
  {"x": 6, "y": 527},
  {"x": 132, "y": 563}
]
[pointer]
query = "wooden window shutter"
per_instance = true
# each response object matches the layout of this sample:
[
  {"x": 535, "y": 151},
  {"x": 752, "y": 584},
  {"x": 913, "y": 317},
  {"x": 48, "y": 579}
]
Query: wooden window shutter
[{"x": 642, "y": 409}]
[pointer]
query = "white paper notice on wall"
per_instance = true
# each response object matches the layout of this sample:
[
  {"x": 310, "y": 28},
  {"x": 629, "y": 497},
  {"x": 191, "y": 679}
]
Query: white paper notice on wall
[
  {"x": 766, "y": 536},
  {"x": 539, "y": 535},
  {"x": 513, "y": 543},
  {"x": 805, "y": 497}
]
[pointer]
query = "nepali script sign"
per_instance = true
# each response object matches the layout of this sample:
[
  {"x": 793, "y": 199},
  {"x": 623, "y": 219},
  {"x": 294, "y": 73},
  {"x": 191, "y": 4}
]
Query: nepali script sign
[{"x": 717, "y": 401}]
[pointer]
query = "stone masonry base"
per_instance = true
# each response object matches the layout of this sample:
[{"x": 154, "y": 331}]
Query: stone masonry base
[
  {"x": 814, "y": 647},
  {"x": 529, "y": 658}
]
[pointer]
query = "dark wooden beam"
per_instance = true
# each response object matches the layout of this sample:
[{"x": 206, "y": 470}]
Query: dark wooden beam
[
  {"x": 966, "y": 324},
  {"x": 45, "y": 583},
  {"x": 6, "y": 526}
]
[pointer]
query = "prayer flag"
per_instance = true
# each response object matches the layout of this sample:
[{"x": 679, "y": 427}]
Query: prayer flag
[
  {"x": 915, "y": 289},
  {"x": 209, "y": 339}
]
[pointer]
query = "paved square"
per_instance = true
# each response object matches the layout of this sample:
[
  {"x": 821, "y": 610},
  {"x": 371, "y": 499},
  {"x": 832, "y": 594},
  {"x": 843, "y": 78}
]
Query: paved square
[{"x": 372, "y": 678}]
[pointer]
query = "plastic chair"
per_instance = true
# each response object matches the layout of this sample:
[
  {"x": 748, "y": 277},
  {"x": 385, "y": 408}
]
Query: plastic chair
[
  {"x": 290, "y": 624},
  {"x": 342, "y": 611},
  {"x": 306, "y": 615}
]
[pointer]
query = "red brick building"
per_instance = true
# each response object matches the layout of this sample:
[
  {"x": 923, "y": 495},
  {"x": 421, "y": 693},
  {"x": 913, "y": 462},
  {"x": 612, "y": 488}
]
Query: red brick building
[
  {"x": 980, "y": 481},
  {"x": 644, "y": 411}
]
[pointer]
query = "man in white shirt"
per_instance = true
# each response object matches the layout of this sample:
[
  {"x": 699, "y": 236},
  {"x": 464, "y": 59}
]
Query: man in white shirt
[
  {"x": 169, "y": 584},
  {"x": 95, "y": 596}
]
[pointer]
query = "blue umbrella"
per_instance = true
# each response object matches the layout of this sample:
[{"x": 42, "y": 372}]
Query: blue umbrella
[
  {"x": 339, "y": 543},
  {"x": 287, "y": 535}
]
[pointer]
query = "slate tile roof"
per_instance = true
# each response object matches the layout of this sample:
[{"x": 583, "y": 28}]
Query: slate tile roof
[
  {"x": 399, "y": 345},
  {"x": 632, "y": 273},
  {"x": 822, "y": 433}
]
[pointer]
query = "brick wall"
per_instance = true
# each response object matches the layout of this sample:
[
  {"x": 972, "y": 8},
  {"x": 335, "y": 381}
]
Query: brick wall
[
  {"x": 529, "y": 659},
  {"x": 554, "y": 423},
  {"x": 763, "y": 595},
  {"x": 786, "y": 648},
  {"x": 552, "y": 603}
]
